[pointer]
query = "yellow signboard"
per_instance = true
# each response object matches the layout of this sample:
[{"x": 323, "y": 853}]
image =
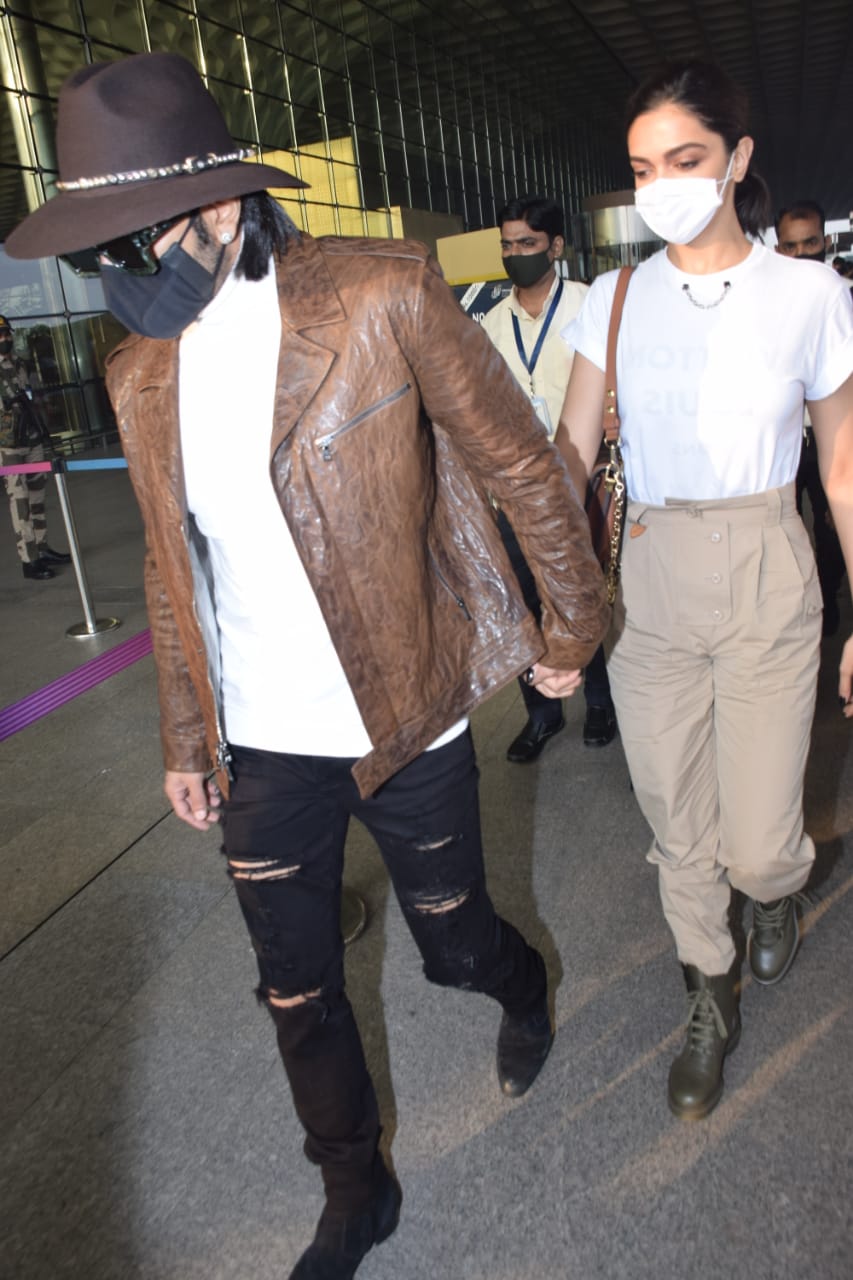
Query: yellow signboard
[{"x": 471, "y": 256}]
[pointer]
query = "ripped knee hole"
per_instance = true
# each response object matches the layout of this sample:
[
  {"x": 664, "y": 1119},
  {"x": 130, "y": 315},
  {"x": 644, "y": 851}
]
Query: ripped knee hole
[
  {"x": 433, "y": 906},
  {"x": 268, "y": 869},
  {"x": 441, "y": 842},
  {"x": 291, "y": 1002}
]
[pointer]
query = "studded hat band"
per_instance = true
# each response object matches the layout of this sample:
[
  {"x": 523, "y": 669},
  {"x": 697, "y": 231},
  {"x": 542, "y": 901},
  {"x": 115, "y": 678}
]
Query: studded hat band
[{"x": 192, "y": 164}]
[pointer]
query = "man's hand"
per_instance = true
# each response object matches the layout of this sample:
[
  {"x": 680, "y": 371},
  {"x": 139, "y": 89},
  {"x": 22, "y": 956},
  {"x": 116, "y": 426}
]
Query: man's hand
[
  {"x": 554, "y": 684},
  {"x": 845, "y": 680},
  {"x": 194, "y": 798}
]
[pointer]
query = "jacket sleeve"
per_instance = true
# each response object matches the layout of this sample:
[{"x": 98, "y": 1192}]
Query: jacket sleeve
[
  {"x": 467, "y": 388},
  {"x": 182, "y": 722},
  {"x": 182, "y": 728}
]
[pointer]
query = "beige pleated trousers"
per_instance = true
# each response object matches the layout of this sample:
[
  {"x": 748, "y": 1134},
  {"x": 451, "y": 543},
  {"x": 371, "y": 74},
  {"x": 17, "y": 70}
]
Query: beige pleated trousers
[{"x": 713, "y": 661}]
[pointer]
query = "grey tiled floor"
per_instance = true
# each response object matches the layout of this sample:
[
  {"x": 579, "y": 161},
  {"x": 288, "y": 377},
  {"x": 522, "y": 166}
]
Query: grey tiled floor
[{"x": 146, "y": 1127}]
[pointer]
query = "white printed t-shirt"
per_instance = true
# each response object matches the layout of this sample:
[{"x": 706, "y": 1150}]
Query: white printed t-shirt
[
  {"x": 711, "y": 400},
  {"x": 283, "y": 687}
]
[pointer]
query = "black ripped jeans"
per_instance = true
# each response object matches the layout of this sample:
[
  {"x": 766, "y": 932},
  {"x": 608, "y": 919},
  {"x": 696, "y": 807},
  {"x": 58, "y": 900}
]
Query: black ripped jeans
[{"x": 284, "y": 830}]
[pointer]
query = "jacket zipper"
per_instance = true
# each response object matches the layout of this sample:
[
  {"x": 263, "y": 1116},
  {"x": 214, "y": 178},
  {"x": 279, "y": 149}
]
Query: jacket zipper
[
  {"x": 324, "y": 443},
  {"x": 460, "y": 602},
  {"x": 223, "y": 753},
  {"x": 223, "y": 750}
]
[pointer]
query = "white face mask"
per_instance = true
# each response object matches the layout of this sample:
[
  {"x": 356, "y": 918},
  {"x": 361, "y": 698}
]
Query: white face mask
[{"x": 679, "y": 209}]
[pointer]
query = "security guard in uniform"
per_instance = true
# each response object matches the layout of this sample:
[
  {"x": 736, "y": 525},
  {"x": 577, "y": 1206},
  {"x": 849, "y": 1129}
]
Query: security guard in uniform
[{"x": 22, "y": 441}]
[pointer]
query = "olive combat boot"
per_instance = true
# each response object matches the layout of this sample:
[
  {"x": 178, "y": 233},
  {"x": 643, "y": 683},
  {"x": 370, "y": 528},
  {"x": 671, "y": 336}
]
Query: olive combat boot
[
  {"x": 773, "y": 939},
  {"x": 713, "y": 1030}
]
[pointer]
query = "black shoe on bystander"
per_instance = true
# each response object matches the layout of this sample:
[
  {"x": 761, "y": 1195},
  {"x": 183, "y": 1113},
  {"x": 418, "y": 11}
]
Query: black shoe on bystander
[
  {"x": 599, "y": 726},
  {"x": 54, "y": 557},
  {"x": 529, "y": 744},
  {"x": 39, "y": 569}
]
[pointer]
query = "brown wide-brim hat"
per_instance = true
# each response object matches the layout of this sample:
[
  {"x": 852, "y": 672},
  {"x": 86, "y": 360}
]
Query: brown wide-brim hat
[{"x": 138, "y": 141}]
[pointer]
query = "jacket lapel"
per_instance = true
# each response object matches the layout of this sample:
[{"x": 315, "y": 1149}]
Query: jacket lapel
[
  {"x": 157, "y": 391},
  {"x": 308, "y": 300}
]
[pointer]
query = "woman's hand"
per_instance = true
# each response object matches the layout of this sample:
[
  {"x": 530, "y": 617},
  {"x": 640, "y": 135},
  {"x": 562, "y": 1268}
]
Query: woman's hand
[
  {"x": 832, "y": 423},
  {"x": 553, "y": 683}
]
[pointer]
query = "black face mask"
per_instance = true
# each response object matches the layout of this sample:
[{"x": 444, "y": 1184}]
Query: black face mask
[
  {"x": 164, "y": 304},
  {"x": 527, "y": 269},
  {"x": 6, "y": 345},
  {"x": 820, "y": 256}
]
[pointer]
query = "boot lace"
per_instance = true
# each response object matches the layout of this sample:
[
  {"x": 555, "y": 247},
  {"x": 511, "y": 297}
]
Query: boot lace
[
  {"x": 768, "y": 918},
  {"x": 704, "y": 1021}
]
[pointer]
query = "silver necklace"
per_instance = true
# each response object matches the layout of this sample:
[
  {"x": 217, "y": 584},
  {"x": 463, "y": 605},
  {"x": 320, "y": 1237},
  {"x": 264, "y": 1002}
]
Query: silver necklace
[{"x": 706, "y": 306}]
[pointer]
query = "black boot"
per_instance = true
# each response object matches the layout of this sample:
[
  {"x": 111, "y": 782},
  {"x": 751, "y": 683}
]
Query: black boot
[
  {"x": 713, "y": 1030},
  {"x": 523, "y": 1045},
  {"x": 344, "y": 1238}
]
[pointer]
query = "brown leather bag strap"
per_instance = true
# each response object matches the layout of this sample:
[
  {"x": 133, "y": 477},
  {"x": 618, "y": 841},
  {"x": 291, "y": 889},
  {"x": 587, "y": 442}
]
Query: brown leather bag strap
[{"x": 610, "y": 415}]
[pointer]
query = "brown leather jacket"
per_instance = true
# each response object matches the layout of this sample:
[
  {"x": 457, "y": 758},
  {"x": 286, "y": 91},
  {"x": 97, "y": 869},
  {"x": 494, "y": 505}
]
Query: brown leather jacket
[{"x": 394, "y": 416}]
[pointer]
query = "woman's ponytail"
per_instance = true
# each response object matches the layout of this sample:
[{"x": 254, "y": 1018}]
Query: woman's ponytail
[{"x": 753, "y": 204}]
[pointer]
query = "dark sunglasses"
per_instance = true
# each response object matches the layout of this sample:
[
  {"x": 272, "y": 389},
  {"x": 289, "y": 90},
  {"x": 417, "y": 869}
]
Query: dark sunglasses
[{"x": 133, "y": 253}]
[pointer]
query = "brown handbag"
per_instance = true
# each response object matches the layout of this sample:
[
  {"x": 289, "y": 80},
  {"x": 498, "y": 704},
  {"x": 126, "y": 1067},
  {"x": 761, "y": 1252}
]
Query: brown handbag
[{"x": 605, "y": 496}]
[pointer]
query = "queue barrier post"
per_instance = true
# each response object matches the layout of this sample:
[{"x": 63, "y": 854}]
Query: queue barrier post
[{"x": 91, "y": 626}]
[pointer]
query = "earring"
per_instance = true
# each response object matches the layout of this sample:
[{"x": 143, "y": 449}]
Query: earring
[{"x": 226, "y": 237}]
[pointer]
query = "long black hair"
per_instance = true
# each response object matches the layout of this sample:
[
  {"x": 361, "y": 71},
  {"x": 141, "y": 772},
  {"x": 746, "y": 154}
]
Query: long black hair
[
  {"x": 722, "y": 106},
  {"x": 266, "y": 229}
]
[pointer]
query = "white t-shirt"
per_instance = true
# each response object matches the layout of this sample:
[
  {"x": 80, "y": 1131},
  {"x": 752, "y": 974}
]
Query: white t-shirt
[
  {"x": 711, "y": 399},
  {"x": 283, "y": 686}
]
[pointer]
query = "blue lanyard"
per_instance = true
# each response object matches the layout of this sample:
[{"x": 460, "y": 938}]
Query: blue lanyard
[{"x": 530, "y": 364}]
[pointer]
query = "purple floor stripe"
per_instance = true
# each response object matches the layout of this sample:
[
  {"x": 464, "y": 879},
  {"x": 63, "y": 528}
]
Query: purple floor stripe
[{"x": 18, "y": 715}]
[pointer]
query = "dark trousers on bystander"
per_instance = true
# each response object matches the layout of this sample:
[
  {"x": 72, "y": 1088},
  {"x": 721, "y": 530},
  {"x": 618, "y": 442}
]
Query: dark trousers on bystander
[
  {"x": 596, "y": 686},
  {"x": 828, "y": 554}
]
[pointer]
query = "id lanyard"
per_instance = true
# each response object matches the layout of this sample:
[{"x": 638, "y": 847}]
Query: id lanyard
[{"x": 530, "y": 364}]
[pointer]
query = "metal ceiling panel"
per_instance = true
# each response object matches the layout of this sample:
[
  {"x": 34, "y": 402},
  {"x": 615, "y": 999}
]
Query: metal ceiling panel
[
  {"x": 576, "y": 61},
  {"x": 793, "y": 57},
  {"x": 582, "y": 58}
]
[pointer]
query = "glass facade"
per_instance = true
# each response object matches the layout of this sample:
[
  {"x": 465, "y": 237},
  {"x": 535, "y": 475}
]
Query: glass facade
[{"x": 394, "y": 117}]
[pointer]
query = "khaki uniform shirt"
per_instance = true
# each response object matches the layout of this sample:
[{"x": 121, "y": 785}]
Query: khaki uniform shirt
[{"x": 551, "y": 373}]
